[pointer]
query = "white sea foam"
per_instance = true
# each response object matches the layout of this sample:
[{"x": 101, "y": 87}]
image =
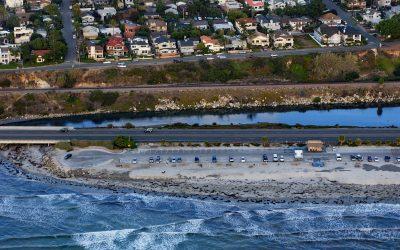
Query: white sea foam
[{"x": 103, "y": 239}]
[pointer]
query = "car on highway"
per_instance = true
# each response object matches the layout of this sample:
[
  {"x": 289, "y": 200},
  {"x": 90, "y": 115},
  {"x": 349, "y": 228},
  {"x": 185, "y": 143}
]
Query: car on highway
[
  {"x": 338, "y": 157},
  {"x": 274, "y": 55},
  {"x": 196, "y": 159},
  {"x": 214, "y": 159},
  {"x": 177, "y": 60},
  {"x": 221, "y": 56},
  {"x": 121, "y": 65},
  {"x": 73, "y": 36},
  {"x": 275, "y": 158},
  {"x": 387, "y": 158},
  {"x": 148, "y": 130},
  {"x": 231, "y": 159},
  {"x": 210, "y": 58},
  {"x": 243, "y": 160},
  {"x": 64, "y": 130},
  {"x": 265, "y": 158},
  {"x": 67, "y": 156},
  {"x": 107, "y": 62}
]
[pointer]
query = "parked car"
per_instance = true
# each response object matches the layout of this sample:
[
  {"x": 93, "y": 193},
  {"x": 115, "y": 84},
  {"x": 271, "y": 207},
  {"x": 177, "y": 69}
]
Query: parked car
[
  {"x": 359, "y": 158},
  {"x": 214, "y": 159},
  {"x": 151, "y": 160},
  {"x": 148, "y": 130},
  {"x": 281, "y": 159},
  {"x": 243, "y": 160},
  {"x": 134, "y": 161},
  {"x": 338, "y": 157},
  {"x": 398, "y": 159},
  {"x": 173, "y": 160},
  {"x": 196, "y": 159},
  {"x": 179, "y": 160},
  {"x": 67, "y": 156},
  {"x": 275, "y": 158},
  {"x": 376, "y": 159},
  {"x": 369, "y": 158},
  {"x": 387, "y": 158},
  {"x": 231, "y": 159},
  {"x": 353, "y": 157},
  {"x": 158, "y": 159},
  {"x": 265, "y": 158}
]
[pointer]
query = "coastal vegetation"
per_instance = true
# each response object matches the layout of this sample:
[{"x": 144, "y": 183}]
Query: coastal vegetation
[{"x": 365, "y": 66}]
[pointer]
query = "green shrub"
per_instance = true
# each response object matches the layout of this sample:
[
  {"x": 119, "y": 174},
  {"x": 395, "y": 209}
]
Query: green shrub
[
  {"x": 5, "y": 83},
  {"x": 122, "y": 142},
  {"x": 64, "y": 146}
]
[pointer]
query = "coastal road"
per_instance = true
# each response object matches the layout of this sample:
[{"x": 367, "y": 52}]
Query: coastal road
[{"x": 205, "y": 135}]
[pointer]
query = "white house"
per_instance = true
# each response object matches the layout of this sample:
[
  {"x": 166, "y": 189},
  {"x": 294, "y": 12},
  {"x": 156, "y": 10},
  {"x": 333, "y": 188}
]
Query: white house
[
  {"x": 110, "y": 31},
  {"x": 384, "y": 3},
  {"x": 90, "y": 32},
  {"x": 7, "y": 55},
  {"x": 106, "y": 12},
  {"x": 328, "y": 35},
  {"x": 14, "y": 3},
  {"x": 372, "y": 16},
  {"x": 140, "y": 46},
  {"x": 88, "y": 19},
  {"x": 269, "y": 22},
  {"x": 221, "y": 24}
]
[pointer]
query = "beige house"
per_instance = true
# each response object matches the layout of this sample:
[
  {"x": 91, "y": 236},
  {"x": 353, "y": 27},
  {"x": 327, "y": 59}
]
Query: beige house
[
  {"x": 330, "y": 19},
  {"x": 95, "y": 52},
  {"x": 90, "y": 32},
  {"x": 283, "y": 39},
  {"x": 7, "y": 55},
  {"x": 315, "y": 146},
  {"x": 212, "y": 44},
  {"x": 157, "y": 25},
  {"x": 258, "y": 39},
  {"x": 22, "y": 34},
  {"x": 246, "y": 24}
]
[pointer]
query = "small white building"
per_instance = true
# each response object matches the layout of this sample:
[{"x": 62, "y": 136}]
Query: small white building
[
  {"x": 14, "y": 3},
  {"x": 372, "y": 16},
  {"x": 298, "y": 155},
  {"x": 22, "y": 34}
]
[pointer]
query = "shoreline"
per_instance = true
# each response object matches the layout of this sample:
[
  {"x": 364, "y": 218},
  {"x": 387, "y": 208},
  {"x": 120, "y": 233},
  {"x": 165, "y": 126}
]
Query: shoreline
[
  {"x": 100, "y": 116},
  {"x": 317, "y": 191}
]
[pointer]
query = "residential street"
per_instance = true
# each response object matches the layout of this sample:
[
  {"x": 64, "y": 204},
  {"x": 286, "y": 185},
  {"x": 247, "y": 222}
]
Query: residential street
[{"x": 68, "y": 35}]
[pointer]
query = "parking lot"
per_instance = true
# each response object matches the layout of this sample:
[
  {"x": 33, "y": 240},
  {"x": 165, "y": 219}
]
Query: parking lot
[{"x": 210, "y": 156}]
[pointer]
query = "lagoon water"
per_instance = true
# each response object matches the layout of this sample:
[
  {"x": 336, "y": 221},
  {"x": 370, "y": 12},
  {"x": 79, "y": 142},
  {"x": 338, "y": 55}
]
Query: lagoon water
[
  {"x": 369, "y": 117},
  {"x": 37, "y": 215}
]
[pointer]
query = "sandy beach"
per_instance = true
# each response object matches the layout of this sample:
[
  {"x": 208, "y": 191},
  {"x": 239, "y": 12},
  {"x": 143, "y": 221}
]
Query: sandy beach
[{"x": 344, "y": 182}]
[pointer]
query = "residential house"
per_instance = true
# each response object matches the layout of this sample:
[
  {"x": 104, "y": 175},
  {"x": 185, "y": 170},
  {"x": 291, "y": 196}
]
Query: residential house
[
  {"x": 40, "y": 55},
  {"x": 246, "y": 24},
  {"x": 130, "y": 28},
  {"x": 221, "y": 24},
  {"x": 231, "y": 5},
  {"x": 140, "y": 46},
  {"x": 282, "y": 39},
  {"x": 212, "y": 44},
  {"x": 106, "y": 12},
  {"x": 7, "y": 55},
  {"x": 95, "y": 51},
  {"x": 235, "y": 43},
  {"x": 269, "y": 22},
  {"x": 355, "y": 4},
  {"x": 171, "y": 9},
  {"x": 90, "y": 32},
  {"x": 111, "y": 31},
  {"x": 24, "y": 17},
  {"x": 393, "y": 11},
  {"x": 200, "y": 24},
  {"x": 115, "y": 46},
  {"x": 350, "y": 35},
  {"x": 100, "y": 2},
  {"x": 22, "y": 34},
  {"x": 383, "y": 3},
  {"x": 187, "y": 46},
  {"x": 14, "y": 3},
  {"x": 88, "y": 19},
  {"x": 276, "y": 4},
  {"x": 328, "y": 35},
  {"x": 330, "y": 19},
  {"x": 129, "y": 3},
  {"x": 298, "y": 23},
  {"x": 36, "y": 5},
  {"x": 164, "y": 47},
  {"x": 372, "y": 16},
  {"x": 255, "y": 5},
  {"x": 157, "y": 25},
  {"x": 258, "y": 39}
]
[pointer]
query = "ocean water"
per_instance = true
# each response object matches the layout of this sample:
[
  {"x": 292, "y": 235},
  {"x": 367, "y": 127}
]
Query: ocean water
[{"x": 37, "y": 215}]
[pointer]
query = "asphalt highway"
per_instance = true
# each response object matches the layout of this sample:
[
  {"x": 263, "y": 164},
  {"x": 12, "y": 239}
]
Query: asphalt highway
[{"x": 206, "y": 135}]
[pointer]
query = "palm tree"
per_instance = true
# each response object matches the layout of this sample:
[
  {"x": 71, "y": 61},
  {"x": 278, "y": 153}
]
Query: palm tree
[{"x": 341, "y": 139}]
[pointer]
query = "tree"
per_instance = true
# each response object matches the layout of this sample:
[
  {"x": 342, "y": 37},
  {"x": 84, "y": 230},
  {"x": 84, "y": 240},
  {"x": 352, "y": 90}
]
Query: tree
[
  {"x": 341, "y": 139},
  {"x": 358, "y": 142},
  {"x": 265, "y": 141},
  {"x": 12, "y": 21},
  {"x": 316, "y": 99},
  {"x": 396, "y": 71},
  {"x": 122, "y": 142},
  {"x": 235, "y": 14},
  {"x": 390, "y": 28}
]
